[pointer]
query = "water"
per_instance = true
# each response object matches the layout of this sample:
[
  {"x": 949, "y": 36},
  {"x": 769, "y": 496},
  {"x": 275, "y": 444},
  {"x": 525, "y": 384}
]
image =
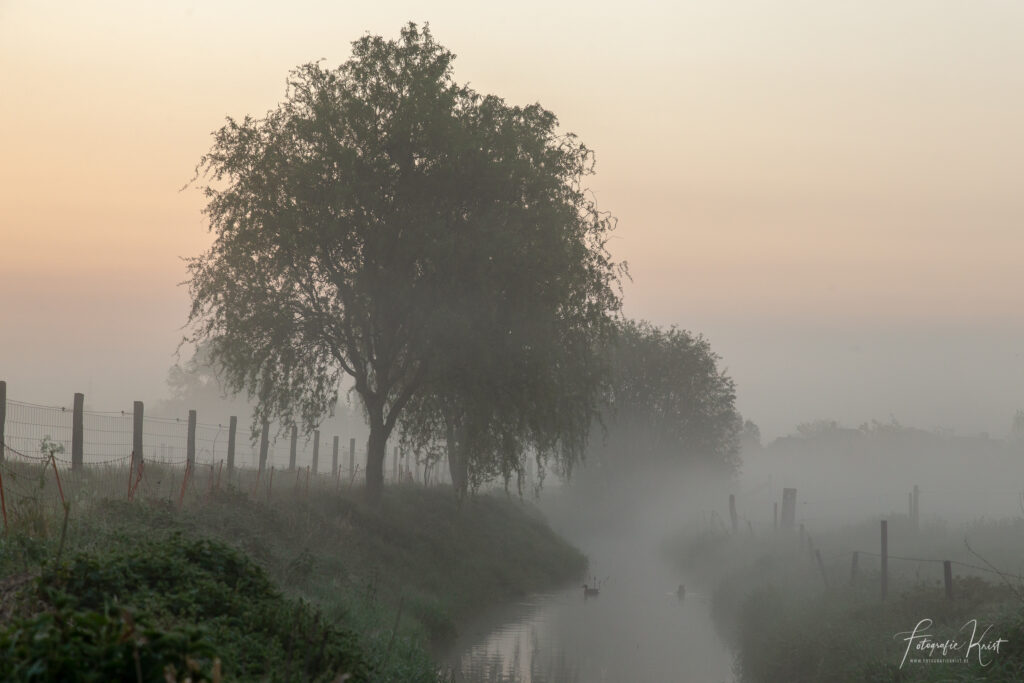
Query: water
[{"x": 635, "y": 630}]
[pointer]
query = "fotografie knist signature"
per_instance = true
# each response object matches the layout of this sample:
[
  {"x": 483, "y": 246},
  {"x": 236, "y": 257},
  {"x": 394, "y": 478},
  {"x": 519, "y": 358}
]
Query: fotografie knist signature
[{"x": 921, "y": 641}]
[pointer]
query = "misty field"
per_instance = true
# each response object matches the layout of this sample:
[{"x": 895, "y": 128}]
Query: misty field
[{"x": 804, "y": 594}]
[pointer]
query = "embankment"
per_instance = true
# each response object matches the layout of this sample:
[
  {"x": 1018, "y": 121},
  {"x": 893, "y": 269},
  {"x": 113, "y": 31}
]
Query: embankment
[{"x": 303, "y": 588}]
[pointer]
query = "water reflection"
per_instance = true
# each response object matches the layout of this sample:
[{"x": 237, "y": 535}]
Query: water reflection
[{"x": 637, "y": 629}]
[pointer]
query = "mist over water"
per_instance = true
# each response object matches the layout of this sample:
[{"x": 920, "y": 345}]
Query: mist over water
[{"x": 637, "y": 628}]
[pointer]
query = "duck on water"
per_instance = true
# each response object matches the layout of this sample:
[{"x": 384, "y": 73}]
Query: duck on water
[{"x": 593, "y": 588}]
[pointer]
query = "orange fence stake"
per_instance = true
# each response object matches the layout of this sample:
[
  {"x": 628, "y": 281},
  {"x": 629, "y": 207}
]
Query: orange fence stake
[{"x": 60, "y": 489}]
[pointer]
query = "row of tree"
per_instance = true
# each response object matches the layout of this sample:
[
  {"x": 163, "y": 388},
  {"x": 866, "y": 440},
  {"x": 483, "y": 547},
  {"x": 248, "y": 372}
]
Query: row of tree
[{"x": 438, "y": 249}]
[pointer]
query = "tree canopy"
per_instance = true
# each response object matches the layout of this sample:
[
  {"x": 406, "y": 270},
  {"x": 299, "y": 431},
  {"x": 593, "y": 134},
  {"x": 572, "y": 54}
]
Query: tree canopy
[
  {"x": 669, "y": 400},
  {"x": 388, "y": 224}
]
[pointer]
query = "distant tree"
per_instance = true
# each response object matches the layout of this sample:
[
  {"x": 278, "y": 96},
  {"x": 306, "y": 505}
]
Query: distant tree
[
  {"x": 668, "y": 400},
  {"x": 750, "y": 436},
  {"x": 1017, "y": 427},
  {"x": 194, "y": 384},
  {"x": 368, "y": 226},
  {"x": 817, "y": 428}
]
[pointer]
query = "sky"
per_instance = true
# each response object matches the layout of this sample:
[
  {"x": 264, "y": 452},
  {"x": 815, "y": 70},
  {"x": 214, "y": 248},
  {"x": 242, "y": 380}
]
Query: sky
[{"x": 829, "y": 192}]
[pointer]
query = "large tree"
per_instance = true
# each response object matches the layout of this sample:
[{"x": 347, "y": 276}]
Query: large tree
[{"x": 368, "y": 226}]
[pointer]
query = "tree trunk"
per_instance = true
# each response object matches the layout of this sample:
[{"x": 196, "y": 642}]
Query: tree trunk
[
  {"x": 376, "y": 450},
  {"x": 458, "y": 461}
]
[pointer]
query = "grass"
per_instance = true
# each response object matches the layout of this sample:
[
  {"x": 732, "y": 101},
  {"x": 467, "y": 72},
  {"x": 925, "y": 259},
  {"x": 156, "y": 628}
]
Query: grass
[
  {"x": 771, "y": 601},
  {"x": 330, "y": 586}
]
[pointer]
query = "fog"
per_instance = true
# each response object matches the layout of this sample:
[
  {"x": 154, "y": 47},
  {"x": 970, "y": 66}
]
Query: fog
[{"x": 830, "y": 195}]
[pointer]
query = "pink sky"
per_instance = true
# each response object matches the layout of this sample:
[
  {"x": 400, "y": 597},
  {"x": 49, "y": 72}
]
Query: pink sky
[{"x": 831, "y": 192}]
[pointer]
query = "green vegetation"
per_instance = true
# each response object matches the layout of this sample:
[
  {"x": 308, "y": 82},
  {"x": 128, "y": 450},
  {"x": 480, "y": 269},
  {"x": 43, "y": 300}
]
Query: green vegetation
[
  {"x": 771, "y": 602},
  {"x": 299, "y": 589}
]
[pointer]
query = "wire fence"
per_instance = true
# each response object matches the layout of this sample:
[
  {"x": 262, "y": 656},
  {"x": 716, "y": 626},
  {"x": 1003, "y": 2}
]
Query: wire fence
[
  {"x": 906, "y": 552},
  {"x": 51, "y": 456}
]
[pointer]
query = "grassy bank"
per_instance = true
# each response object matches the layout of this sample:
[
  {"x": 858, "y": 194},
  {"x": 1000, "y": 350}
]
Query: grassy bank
[
  {"x": 790, "y": 618},
  {"x": 299, "y": 588}
]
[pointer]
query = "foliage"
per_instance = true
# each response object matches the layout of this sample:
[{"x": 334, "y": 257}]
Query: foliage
[
  {"x": 668, "y": 399},
  {"x": 49, "y": 447},
  {"x": 368, "y": 225},
  {"x": 172, "y": 602},
  {"x": 71, "y": 645}
]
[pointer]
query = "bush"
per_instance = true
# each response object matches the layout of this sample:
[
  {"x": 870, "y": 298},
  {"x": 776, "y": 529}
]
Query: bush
[{"x": 172, "y": 605}]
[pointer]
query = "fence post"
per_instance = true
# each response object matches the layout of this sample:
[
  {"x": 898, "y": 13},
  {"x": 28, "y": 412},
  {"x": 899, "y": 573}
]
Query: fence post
[
  {"x": 352, "y": 457},
  {"x": 394, "y": 465},
  {"x": 947, "y": 574},
  {"x": 853, "y": 567},
  {"x": 3, "y": 420},
  {"x": 264, "y": 444},
  {"x": 885, "y": 559},
  {"x": 917, "y": 509},
  {"x": 294, "y": 449},
  {"x": 821, "y": 567},
  {"x": 334, "y": 457},
  {"x": 78, "y": 432},
  {"x": 732, "y": 512},
  {"x": 190, "y": 444},
  {"x": 788, "y": 508},
  {"x": 232, "y": 429},
  {"x": 316, "y": 450},
  {"x": 138, "y": 413}
]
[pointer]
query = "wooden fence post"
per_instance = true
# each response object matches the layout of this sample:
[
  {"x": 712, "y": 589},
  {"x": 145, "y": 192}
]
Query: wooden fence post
[
  {"x": 732, "y": 512},
  {"x": 352, "y": 457},
  {"x": 394, "y": 465},
  {"x": 885, "y": 559},
  {"x": 264, "y": 444},
  {"x": 788, "y": 508},
  {"x": 3, "y": 422},
  {"x": 947, "y": 575},
  {"x": 138, "y": 414},
  {"x": 334, "y": 457},
  {"x": 853, "y": 567},
  {"x": 190, "y": 444},
  {"x": 917, "y": 508},
  {"x": 316, "y": 451},
  {"x": 294, "y": 449},
  {"x": 232, "y": 430},
  {"x": 78, "y": 432},
  {"x": 821, "y": 567}
]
